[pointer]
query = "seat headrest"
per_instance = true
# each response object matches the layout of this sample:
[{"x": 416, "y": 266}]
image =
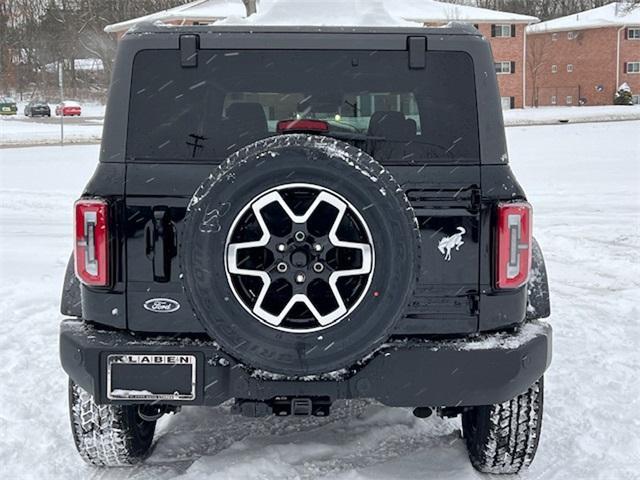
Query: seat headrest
[
  {"x": 389, "y": 124},
  {"x": 250, "y": 114},
  {"x": 412, "y": 127}
]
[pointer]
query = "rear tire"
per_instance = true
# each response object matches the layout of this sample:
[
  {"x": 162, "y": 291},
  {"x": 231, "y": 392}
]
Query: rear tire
[
  {"x": 503, "y": 438},
  {"x": 108, "y": 435}
]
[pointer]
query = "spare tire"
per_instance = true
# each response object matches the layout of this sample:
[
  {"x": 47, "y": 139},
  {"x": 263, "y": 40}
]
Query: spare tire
[{"x": 299, "y": 254}]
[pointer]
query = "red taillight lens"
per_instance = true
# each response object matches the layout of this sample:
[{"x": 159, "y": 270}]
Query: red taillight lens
[
  {"x": 514, "y": 244},
  {"x": 92, "y": 242},
  {"x": 302, "y": 125}
]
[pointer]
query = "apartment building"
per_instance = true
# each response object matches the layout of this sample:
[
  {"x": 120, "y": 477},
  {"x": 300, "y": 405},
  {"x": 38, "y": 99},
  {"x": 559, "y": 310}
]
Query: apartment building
[
  {"x": 504, "y": 30},
  {"x": 583, "y": 59}
]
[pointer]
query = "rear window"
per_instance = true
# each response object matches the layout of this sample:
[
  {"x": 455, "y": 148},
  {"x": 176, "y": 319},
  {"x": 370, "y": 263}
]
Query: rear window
[{"x": 370, "y": 99}]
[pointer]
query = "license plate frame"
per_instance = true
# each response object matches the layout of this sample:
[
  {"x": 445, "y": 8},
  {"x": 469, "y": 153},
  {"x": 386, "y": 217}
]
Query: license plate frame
[{"x": 170, "y": 360}]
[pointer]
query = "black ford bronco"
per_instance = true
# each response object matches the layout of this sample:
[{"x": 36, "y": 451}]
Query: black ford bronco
[{"x": 286, "y": 217}]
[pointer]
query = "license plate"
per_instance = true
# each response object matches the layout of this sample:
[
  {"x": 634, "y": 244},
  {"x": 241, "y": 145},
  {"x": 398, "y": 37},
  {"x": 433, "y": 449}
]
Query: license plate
[
  {"x": 6, "y": 109},
  {"x": 151, "y": 377}
]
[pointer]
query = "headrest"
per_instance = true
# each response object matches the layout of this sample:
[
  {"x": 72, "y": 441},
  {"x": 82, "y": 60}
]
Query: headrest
[
  {"x": 246, "y": 111},
  {"x": 389, "y": 124},
  {"x": 412, "y": 127},
  {"x": 249, "y": 113}
]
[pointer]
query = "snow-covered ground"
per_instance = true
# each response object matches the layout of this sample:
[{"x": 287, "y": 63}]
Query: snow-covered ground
[
  {"x": 584, "y": 183},
  {"x": 551, "y": 115}
]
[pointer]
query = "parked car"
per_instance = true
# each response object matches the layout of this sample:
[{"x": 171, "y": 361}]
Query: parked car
[
  {"x": 8, "y": 106},
  {"x": 68, "y": 109},
  {"x": 283, "y": 261},
  {"x": 37, "y": 108}
]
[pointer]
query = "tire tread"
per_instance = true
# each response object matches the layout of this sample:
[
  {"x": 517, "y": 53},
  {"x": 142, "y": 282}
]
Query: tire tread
[
  {"x": 102, "y": 433},
  {"x": 510, "y": 440}
]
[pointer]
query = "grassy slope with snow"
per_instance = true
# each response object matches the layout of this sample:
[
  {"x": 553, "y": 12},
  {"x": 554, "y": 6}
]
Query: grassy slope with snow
[
  {"x": 21, "y": 130},
  {"x": 583, "y": 181}
]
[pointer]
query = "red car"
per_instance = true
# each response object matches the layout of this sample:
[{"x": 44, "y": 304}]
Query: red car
[{"x": 68, "y": 109}]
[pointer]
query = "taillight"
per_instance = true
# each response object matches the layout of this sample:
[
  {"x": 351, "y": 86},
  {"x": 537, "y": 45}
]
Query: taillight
[
  {"x": 514, "y": 244},
  {"x": 302, "y": 125},
  {"x": 92, "y": 242}
]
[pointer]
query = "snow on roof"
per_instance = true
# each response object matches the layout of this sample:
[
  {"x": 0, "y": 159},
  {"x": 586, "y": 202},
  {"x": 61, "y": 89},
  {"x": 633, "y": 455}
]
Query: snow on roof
[
  {"x": 198, "y": 11},
  {"x": 616, "y": 14},
  {"x": 428, "y": 11},
  {"x": 372, "y": 13},
  {"x": 321, "y": 13},
  {"x": 327, "y": 13}
]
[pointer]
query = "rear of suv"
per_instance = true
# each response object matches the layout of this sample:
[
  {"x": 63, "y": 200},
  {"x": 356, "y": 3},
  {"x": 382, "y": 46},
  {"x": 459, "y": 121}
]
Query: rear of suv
[{"x": 289, "y": 217}]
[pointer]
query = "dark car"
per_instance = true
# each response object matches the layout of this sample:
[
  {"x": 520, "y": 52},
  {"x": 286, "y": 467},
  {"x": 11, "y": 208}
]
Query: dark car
[
  {"x": 285, "y": 217},
  {"x": 37, "y": 108},
  {"x": 8, "y": 106}
]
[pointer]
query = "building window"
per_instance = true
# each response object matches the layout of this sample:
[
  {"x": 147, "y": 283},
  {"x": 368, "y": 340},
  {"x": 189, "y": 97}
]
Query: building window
[
  {"x": 503, "y": 68},
  {"x": 503, "y": 30},
  {"x": 554, "y": 37},
  {"x": 569, "y": 100},
  {"x": 569, "y": 67},
  {"x": 554, "y": 100},
  {"x": 633, "y": 33},
  {"x": 632, "y": 67},
  {"x": 508, "y": 103},
  {"x": 571, "y": 35},
  {"x": 554, "y": 68}
]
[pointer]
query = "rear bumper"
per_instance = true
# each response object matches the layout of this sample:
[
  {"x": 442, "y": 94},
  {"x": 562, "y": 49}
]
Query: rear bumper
[{"x": 485, "y": 370}]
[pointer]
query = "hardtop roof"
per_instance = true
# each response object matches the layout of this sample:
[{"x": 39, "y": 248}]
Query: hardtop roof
[{"x": 452, "y": 28}]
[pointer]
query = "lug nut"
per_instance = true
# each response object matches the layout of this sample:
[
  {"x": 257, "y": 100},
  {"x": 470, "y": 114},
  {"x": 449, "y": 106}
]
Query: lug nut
[
  {"x": 299, "y": 236},
  {"x": 318, "y": 267},
  {"x": 300, "y": 277},
  {"x": 282, "y": 267},
  {"x": 317, "y": 247},
  {"x": 281, "y": 247}
]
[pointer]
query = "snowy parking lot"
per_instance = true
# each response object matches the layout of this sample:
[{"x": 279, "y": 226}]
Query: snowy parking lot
[{"x": 584, "y": 183}]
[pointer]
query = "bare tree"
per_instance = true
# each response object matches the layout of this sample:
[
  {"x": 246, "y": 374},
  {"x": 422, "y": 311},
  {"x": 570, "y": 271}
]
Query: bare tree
[
  {"x": 38, "y": 35},
  {"x": 251, "y": 6},
  {"x": 537, "y": 53}
]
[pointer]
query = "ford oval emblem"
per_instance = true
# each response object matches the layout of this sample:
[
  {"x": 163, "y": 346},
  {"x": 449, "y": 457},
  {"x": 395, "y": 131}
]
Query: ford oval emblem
[{"x": 161, "y": 305}]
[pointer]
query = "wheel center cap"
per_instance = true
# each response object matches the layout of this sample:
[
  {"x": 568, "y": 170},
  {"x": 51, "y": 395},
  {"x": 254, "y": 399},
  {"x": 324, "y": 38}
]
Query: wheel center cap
[{"x": 299, "y": 258}]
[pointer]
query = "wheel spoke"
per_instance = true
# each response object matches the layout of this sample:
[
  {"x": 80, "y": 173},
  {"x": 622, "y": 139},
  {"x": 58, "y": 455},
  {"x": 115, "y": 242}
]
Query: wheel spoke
[{"x": 300, "y": 292}]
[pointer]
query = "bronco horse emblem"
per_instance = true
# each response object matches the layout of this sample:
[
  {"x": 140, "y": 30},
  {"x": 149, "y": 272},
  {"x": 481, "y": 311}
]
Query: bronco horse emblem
[{"x": 449, "y": 243}]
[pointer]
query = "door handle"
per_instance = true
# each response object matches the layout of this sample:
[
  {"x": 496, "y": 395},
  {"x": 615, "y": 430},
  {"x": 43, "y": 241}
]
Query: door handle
[{"x": 160, "y": 244}]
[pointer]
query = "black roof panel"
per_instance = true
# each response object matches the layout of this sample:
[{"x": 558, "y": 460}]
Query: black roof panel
[{"x": 453, "y": 28}]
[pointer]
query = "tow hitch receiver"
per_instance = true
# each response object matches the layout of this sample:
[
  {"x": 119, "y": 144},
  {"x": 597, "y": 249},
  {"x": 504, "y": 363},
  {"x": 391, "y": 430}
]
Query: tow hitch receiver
[{"x": 283, "y": 406}]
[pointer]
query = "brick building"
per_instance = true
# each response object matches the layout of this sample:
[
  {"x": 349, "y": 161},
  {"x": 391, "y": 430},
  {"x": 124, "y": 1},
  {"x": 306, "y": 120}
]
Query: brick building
[
  {"x": 583, "y": 59},
  {"x": 508, "y": 43},
  {"x": 505, "y": 31}
]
